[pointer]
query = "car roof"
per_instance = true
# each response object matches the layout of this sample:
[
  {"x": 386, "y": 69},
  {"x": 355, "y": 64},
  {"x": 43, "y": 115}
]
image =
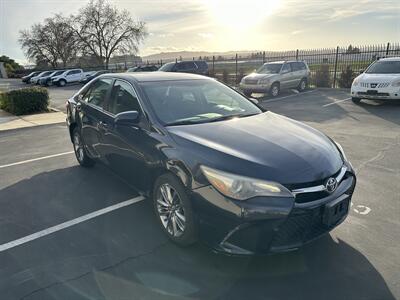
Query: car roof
[
  {"x": 156, "y": 76},
  {"x": 390, "y": 59},
  {"x": 284, "y": 61}
]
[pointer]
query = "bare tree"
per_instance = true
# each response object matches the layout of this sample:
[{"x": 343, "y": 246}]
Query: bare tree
[
  {"x": 103, "y": 30},
  {"x": 51, "y": 42}
]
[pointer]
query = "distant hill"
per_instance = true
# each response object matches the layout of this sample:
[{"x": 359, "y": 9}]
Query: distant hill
[{"x": 191, "y": 54}]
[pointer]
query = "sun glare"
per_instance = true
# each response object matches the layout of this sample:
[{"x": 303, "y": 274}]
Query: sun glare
[{"x": 241, "y": 14}]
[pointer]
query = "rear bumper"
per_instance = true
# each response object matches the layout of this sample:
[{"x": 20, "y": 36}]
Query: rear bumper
[{"x": 265, "y": 225}]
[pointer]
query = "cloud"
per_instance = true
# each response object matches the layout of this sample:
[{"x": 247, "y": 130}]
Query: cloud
[
  {"x": 205, "y": 35},
  {"x": 165, "y": 35},
  {"x": 295, "y": 32}
]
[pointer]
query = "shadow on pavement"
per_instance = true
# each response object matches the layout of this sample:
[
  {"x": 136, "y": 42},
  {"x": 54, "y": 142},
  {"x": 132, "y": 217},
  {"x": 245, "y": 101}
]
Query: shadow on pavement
[
  {"x": 124, "y": 255},
  {"x": 388, "y": 109}
]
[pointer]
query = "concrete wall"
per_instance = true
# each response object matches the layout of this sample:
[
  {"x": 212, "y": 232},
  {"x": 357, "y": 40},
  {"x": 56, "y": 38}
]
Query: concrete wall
[{"x": 3, "y": 73}]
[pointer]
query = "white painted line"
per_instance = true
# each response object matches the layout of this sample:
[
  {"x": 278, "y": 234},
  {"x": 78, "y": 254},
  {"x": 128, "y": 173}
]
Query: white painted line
[
  {"x": 285, "y": 97},
  {"x": 329, "y": 104},
  {"x": 69, "y": 223},
  {"x": 35, "y": 159}
]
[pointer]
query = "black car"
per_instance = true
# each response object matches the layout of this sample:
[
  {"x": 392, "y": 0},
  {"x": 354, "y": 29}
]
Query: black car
[
  {"x": 192, "y": 66},
  {"x": 149, "y": 68},
  {"x": 27, "y": 78},
  {"x": 46, "y": 80},
  {"x": 216, "y": 166},
  {"x": 90, "y": 76}
]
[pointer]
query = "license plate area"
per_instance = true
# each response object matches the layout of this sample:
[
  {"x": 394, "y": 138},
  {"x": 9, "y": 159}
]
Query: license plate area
[
  {"x": 372, "y": 92},
  {"x": 334, "y": 211}
]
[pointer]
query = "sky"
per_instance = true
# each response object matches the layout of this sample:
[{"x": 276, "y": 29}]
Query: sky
[{"x": 227, "y": 25}]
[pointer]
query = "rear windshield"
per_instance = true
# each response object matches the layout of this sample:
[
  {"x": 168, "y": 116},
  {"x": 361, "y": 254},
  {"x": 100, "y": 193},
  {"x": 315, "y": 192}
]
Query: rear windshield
[
  {"x": 167, "y": 67},
  {"x": 384, "y": 67}
]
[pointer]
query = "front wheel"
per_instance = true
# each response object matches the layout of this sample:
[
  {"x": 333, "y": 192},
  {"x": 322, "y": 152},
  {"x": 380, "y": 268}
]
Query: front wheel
[
  {"x": 62, "y": 82},
  {"x": 173, "y": 210},
  {"x": 275, "y": 89},
  {"x": 355, "y": 100},
  {"x": 79, "y": 148}
]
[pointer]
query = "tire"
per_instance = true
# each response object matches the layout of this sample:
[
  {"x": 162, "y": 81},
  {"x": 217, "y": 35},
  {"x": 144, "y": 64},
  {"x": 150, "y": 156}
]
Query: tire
[
  {"x": 62, "y": 82},
  {"x": 173, "y": 210},
  {"x": 302, "y": 85},
  {"x": 355, "y": 100},
  {"x": 79, "y": 148},
  {"x": 274, "y": 90},
  {"x": 247, "y": 93}
]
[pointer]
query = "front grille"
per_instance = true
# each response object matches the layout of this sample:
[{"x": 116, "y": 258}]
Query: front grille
[
  {"x": 308, "y": 197},
  {"x": 250, "y": 81},
  {"x": 374, "y": 85}
]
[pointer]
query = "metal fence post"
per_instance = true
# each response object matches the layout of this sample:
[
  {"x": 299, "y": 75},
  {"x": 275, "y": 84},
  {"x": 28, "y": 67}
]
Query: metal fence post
[
  {"x": 176, "y": 60},
  {"x": 161, "y": 62},
  {"x": 263, "y": 57},
  {"x": 236, "y": 68},
  {"x": 213, "y": 66},
  {"x": 336, "y": 61},
  {"x": 297, "y": 54},
  {"x": 387, "y": 48}
]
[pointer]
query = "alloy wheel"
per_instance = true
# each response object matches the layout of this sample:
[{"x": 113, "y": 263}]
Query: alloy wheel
[
  {"x": 78, "y": 147},
  {"x": 303, "y": 85},
  {"x": 275, "y": 91},
  {"x": 170, "y": 210}
]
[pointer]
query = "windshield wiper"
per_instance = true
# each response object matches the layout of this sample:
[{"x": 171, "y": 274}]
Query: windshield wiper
[
  {"x": 186, "y": 122},
  {"x": 228, "y": 117}
]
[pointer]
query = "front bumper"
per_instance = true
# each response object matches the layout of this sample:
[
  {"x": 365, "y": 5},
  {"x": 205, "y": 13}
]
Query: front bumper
[
  {"x": 255, "y": 88},
  {"x": 265, "y": 225},
  {"x": 375, "y": 93}
]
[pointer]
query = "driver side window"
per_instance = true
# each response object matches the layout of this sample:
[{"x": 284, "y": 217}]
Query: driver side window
[
  {"x": 97, "y": 93},
  {"x": 286, "y": 68}
]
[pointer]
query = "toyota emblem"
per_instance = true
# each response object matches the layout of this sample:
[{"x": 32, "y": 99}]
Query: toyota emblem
[{"x": 331, "y": 185}]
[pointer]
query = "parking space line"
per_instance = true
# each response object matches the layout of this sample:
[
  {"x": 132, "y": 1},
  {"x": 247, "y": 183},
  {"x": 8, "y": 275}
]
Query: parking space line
[
  {"x": 69, "y": 223},
  {"x": 338, "y": 101},
  {"x": 36, "y": 159},
  {"x": 285, "y": 97}
]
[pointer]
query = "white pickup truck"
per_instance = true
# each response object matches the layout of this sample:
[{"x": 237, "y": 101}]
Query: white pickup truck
[{"x": 69, "y": 76}]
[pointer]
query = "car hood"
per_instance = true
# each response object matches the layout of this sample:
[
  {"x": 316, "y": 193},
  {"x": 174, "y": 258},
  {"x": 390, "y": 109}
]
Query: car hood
[
  {"x": 259, "y": 76},
  {"x": 378, "y": 78},
  {"x": 266, "y": 146}
]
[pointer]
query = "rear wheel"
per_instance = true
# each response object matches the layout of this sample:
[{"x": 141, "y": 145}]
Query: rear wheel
[
  {"x": 302, "y": 85},
  {"x": 80, "y": 151},
  {"x": 62, "y": 82},
  {"x": 355, "y": 100},
  {"x": 173, "y": 210},
  {"x": 275, "y": 89}
]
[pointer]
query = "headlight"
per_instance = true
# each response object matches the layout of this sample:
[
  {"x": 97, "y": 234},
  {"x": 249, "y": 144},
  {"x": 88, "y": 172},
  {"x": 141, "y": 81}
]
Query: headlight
[
  {"x": 341, "y": 151},
  {"x": 396, "y": 83},
  {"x": 356, "y": 82},
  {"x": 243, "y": 188},
  {"x": 264, "y": 81}
]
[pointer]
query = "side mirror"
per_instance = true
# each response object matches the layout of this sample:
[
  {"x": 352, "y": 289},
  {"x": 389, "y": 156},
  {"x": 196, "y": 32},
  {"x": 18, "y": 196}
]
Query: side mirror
[
  {"x": 127, "y": 118},
  {"x": 255, "y": 101}
]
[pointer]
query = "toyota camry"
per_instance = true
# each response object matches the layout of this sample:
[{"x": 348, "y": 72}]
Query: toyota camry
[{"x": 217, "y": 167}]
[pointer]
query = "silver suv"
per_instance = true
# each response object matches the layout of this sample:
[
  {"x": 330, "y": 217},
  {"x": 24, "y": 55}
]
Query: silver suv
[{"x": 273, "y": 77}]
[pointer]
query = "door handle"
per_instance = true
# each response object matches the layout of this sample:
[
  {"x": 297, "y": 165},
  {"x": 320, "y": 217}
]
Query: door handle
[{"x": 103, "y": 125}]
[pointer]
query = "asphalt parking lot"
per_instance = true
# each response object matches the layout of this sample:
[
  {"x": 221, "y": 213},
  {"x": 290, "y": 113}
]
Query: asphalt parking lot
[{"x": 58, "y": 242}]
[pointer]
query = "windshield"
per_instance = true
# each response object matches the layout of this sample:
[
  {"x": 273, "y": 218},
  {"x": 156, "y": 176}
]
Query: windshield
[
  {"x": 196, "y": 101},
  {"x": 384, "y": 67},
  {"x": 167, "y": 67},
  {"x": 269, "y": 69}
]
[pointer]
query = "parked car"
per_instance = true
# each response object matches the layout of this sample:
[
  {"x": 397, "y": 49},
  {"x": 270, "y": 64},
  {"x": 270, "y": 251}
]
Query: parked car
[
  {"x": 381, "y": 81},
  {"x": 150, "y": 68},
  {"x": 91, "y": 75},
  {"x": 216, "y": 166},
  {"x": 35, "y": 79},
  {"x": 27, "y": 78},
  {"x": 273, "y": 77},
  {"x": 47, "y": 80},
  {"x": 192, "y": 66},
  {"x": 69, "y": 76}
]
